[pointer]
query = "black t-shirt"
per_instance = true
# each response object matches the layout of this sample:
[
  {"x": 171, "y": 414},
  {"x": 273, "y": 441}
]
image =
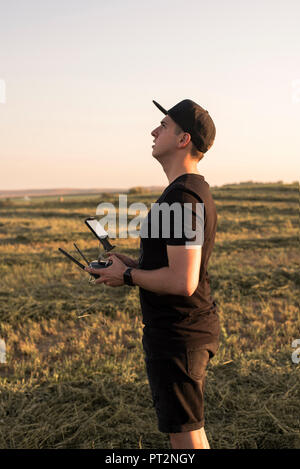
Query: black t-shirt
[{"x": 175, "y": 322}]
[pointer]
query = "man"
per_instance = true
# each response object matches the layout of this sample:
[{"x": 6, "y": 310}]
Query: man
[{"x": 181, "y": 325}]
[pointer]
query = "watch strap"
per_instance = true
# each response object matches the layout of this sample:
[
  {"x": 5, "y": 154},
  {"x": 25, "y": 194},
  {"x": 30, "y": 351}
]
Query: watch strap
[{"x": 127, "y": 277}]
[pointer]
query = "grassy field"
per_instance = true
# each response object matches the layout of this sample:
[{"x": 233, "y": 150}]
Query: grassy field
[{"x": 75, "y": 375}]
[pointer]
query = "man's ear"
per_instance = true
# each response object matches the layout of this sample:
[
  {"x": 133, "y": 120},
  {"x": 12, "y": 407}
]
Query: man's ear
[{"x": 184, "y": 140}]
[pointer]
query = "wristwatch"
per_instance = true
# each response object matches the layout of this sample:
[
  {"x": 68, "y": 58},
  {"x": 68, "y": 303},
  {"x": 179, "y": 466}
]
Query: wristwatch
[{"x": 127, "y": 277}]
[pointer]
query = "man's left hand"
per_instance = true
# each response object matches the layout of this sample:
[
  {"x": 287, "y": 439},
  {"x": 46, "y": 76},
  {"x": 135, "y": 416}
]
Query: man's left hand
[{"x": 112, "y": 275}]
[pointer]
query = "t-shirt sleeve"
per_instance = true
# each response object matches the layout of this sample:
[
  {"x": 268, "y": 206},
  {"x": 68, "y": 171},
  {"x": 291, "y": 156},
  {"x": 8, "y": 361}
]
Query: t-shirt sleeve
[{"x": 186, "y": 220}]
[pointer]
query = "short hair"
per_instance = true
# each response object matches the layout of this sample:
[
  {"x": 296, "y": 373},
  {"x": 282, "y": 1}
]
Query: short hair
[{"x": 195, "y": 153}]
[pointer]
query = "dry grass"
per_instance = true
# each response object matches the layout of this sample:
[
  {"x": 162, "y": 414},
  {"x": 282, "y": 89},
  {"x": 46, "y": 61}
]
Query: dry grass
[{"x": 75, "y": 375}]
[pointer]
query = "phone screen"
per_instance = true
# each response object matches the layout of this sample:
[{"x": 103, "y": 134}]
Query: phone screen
[{"x": 96, "y": 227}]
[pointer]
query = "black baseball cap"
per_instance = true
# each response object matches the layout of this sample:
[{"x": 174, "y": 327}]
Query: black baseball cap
[{"x": 194, "y": 120}]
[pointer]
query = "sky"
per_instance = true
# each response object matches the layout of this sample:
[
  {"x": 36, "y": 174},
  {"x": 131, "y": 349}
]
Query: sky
[{"x": 77, "y": 80}]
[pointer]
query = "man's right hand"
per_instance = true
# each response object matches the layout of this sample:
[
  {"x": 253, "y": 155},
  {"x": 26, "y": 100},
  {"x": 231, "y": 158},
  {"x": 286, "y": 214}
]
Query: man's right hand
[{"x": 127, "y": 260}]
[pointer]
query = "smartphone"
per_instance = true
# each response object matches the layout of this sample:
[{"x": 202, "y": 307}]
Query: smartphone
[{"x": 97, "y": 229}]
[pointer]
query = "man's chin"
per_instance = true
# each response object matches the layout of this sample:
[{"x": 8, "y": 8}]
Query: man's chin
[{"x": 154, "y": 154}]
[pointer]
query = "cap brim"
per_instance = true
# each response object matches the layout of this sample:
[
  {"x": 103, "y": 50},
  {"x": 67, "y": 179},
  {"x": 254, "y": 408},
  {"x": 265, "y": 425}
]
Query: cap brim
[{"x": 160, "y": 107}]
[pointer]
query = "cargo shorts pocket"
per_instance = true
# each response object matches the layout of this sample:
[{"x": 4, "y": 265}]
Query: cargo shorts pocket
[{"x": 197, "y": 360}]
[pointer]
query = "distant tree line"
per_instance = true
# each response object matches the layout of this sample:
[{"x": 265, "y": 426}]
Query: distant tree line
[
  {"x": 138, "y": 190},
  {"x": 6, "y": 202}
]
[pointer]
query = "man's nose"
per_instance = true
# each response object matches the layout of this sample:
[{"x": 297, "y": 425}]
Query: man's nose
[{"x": 154, "y": 132}]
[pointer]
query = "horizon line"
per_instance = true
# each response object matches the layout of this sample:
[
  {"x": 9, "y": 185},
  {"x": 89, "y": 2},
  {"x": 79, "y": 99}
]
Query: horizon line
[{"x": 60, "y": 190}]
